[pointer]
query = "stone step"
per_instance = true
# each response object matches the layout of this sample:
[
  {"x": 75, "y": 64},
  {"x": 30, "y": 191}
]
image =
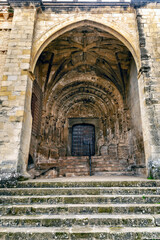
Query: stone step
[
  {"x": 102, "y": 164},
  {"x": 81, "y": 199},
  {"x": 88, "y": 209},
  {"x": 75, "y": 164},
  {"x": 81, "y": 233},
  {"x": 81, "y": 220},
  {"x": 38, "y": 208},
  {"x": 113, "y": 173},
  {"x": 73, "y": 173},
  {"x": 85, "y": 169},
  {"x": 108, "y": 169},
  {"x": 64, "y": 183},
  {"x": 80, "y": 191}
]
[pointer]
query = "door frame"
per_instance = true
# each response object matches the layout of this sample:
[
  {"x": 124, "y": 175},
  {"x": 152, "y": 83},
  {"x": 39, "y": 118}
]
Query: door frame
[{"x": 77, "y": 121}]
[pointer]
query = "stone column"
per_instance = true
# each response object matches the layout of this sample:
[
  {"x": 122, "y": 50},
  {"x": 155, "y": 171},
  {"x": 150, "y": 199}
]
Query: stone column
[
  {"x": 148, "y": 19},
  {"x": 16, "y": 101}
]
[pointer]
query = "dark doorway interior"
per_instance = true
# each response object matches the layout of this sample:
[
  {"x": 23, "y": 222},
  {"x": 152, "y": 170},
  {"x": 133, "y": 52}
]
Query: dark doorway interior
[{"x": 83, "y": 140}]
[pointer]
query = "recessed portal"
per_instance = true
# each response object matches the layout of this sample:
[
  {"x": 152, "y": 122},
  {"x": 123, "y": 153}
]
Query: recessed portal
[
  {"x": 83, "y": 140},
  {"x": 90, "y": 102}
]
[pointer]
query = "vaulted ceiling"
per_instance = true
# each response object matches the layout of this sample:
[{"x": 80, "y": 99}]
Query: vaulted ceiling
[{"x": 86, "y": 49}]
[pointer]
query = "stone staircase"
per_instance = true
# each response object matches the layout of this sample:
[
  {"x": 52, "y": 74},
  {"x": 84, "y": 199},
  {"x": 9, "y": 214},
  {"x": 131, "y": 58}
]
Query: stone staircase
[
  {"x": 79, "y": 166},
  {"x": 76, "y": 208}
]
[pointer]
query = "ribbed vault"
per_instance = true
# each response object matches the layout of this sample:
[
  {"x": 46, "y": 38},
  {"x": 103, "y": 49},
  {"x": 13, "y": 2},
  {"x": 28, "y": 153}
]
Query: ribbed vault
[{"x": 86, "y": 49}]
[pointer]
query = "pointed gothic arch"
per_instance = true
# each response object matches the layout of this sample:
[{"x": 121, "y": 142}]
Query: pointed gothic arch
[{"x": 41, "y": 43}]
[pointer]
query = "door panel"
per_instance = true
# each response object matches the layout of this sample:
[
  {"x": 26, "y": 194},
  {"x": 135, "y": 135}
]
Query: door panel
[{"x": 83, "y": 140}]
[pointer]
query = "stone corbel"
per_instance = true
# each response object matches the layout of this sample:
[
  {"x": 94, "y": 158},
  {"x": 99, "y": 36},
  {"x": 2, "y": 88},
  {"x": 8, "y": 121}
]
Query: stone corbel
[
  {"x": 31, "y": 75},
  {"x": 6, "y": 16},
  {"x": 3, "y": 52},
  {"x": 5, "y": 12},
  {"x": 143, "y": 69}
]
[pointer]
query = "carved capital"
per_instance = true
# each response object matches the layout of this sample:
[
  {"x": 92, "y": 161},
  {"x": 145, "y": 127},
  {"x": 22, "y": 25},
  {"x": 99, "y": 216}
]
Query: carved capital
[{"x": 4, "y": 10}]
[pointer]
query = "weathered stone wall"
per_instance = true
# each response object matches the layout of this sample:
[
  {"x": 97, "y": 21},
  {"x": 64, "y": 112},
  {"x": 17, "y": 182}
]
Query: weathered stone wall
[
  {"x": 5, "y": 28},
  {"x": 4, "y": 36},
  {"x": 133, "y": 103},
  {"x": 16, "y": 96},
  {"x": 148, "y": 19}
]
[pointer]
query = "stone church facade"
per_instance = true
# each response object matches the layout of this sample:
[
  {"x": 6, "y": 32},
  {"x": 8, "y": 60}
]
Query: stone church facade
[{"x": 80, "y": 79}]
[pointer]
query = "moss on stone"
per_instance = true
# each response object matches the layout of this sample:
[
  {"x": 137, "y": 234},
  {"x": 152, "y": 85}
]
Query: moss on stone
[{"x": 105, "y": 210}]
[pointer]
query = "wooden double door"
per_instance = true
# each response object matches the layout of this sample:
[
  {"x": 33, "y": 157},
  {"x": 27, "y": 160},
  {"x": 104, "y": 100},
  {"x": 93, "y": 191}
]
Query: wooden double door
[{"x": 83, "y": 140}]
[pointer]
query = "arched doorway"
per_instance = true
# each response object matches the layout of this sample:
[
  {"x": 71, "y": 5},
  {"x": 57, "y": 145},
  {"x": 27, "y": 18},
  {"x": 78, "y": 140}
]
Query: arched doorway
[
  {"x": 83, "y": 140},
  {"x": 88, "y": 77}
]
